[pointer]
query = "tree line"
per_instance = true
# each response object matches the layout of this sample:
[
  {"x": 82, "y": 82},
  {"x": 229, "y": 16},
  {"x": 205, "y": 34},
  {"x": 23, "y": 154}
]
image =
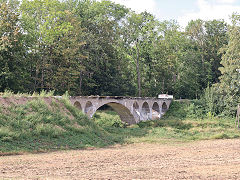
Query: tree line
[{"x": 87, "y": 47}]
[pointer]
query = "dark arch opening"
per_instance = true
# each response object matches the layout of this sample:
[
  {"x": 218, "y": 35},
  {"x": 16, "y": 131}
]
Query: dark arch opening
[
  {"x": 155, "y": 111},
  {"x": 145, "y": 110},
  {"x": 105, "y": 107},
  {"x": 164, "y": 107},
  {"x": 123, "y": 112},
  {"x": 135, "y": 106},
  {"x": 88, "y": 107},
  {"x": 156, "y": 107},
  {"x": 78, "y": 105}
]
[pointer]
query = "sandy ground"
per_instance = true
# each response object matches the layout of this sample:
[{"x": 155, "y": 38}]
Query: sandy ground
[{"x": 218, "y": 159}]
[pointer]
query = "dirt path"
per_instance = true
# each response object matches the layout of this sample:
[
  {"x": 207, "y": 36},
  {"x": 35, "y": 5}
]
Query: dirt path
[{"x": 219, "y": 159}]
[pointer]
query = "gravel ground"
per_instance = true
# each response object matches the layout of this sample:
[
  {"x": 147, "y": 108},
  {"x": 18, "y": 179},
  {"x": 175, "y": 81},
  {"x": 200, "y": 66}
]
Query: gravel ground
[{"x": 215, "y": 159}]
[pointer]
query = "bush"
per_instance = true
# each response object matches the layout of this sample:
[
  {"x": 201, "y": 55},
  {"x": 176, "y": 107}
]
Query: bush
[
  {"x": 185, "y": 109},
  {"x": 177, "y": 110},
  {"x": 195, "y": 110},
  {"x": 108, "y": 119}
]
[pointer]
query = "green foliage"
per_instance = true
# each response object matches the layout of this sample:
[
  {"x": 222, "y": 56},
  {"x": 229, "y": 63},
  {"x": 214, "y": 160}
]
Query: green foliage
[
  {"x": 7, "y": 93},
  {"x": 178, "y": 124},
  {"x": 144, "y": 124},
  {"x": 188, "y": 129},
  {"x": 43, "y": 124},
  {"x": 208, "y": 37},
  {"x": 48, "y": 47},
  {"x": 108, "y": 119},
  {"x": 55, "y": 41},
  {"x": 209, "y": 101},
  {"x": 195, "y": 110},
  {"x": 47, "y": 130},
  {"x": 91, "y": 47},
  {"x": 14, "y": 74},
  {"x": 177, "y": 110},
  {"x": 228, "y": 88},
  {"x": 44, "y": 93},
  {"x": 103, "y": 48}
]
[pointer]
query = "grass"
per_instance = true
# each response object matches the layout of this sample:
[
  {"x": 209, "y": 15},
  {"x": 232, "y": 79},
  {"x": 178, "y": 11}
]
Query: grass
[
  {"x": 41, "y": 126},
  {"x": 170, "y": 129},
  {"x": 183, "y": 122},
  {"x": 43, "y": 93}
]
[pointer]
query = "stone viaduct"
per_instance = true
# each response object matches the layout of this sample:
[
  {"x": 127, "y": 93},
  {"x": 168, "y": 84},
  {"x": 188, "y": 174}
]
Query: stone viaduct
[{"x": 130, "y": 109}]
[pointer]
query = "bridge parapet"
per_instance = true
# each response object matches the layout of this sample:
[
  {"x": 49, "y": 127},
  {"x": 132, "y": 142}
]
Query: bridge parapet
[{"x": 130, "y": 109}]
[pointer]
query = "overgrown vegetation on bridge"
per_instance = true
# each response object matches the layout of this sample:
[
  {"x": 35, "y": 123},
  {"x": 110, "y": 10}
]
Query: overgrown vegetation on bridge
[{"x": 88, "y": 47}]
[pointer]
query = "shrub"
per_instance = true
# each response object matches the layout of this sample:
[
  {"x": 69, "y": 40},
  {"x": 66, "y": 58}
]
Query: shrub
[
  {"x": 195, "y": 110},
  {"x": 108, "y": 119},
  {"x": 177, "y": 110}
]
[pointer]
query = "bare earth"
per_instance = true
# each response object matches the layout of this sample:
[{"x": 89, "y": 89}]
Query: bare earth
[{"x": 218, "y": 159}]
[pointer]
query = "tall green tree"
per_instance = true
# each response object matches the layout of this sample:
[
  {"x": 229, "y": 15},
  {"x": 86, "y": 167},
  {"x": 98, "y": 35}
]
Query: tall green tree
[
  {"x": 216, "y": 38},
  {"x": 174, "y": 62},
  {"x": 229, "y": 86},
  {"x": 106, "y": 69},
  {"x": 139, "y": 34},
  {"x": 55, "y": 44},
  {"x": 13, "y": 65},
  {"x": 208, "y": 37}
]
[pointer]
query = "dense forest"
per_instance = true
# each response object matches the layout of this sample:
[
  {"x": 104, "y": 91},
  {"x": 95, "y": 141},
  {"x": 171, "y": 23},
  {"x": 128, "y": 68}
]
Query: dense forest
[{"x": 88, "y": 47}]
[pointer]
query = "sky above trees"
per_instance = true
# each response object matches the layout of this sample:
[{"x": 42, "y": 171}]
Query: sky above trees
[{"x": 185, "y": 10}]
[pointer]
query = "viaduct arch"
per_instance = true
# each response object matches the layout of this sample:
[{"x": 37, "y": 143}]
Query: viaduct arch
[{"x": 130, "y": 109}]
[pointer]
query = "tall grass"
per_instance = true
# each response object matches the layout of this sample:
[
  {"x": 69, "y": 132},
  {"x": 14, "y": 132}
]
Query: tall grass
[
  {"x": 43, "y": 93},
  {"x": 41, "y": 126}
]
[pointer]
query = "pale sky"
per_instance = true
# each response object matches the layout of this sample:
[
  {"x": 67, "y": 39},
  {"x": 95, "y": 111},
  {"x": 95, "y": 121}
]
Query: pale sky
[{"x": 185, "y": 10}]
